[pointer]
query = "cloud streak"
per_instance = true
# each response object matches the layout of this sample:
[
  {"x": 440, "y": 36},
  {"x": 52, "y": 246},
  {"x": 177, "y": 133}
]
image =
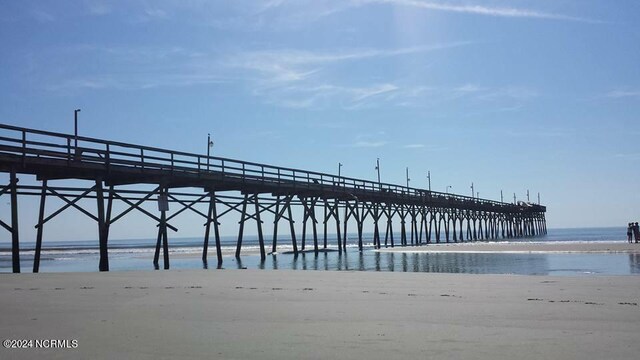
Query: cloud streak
[{"x": 481, "y": 10}]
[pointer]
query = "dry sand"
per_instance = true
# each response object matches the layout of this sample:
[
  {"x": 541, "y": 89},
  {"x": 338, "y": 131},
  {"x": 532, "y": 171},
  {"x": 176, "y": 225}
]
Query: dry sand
[{"x": 246, "y": 314}]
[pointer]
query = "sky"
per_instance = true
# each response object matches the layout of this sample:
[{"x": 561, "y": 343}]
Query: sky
[{"x": 510, "y": 95}]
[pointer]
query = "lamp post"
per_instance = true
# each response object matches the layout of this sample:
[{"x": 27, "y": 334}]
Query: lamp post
[
  {"x": 538, "y": 198},
  {"x": 514, "y": 198},
  {"x": 448, "y": 187},
  {"x": 339, "y": 167},
  {"x": 75, "y": 122},
  {"x": 472, "y": 193},
  {"x": 209, "y": 146},
  {"x": 501, "y": 197},
  {"x": 378, "y": 170},
  {"x": 429, "y": 179},
  {"x": 528, "y": 195},
  {"x": 408, "y": 177}
]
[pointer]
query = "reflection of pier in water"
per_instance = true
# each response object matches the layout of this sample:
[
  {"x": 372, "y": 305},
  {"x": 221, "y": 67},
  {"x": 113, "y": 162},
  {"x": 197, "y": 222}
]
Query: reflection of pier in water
[
  {"x": 634, "y": 263},
  {"x": 465, "y": 263}
]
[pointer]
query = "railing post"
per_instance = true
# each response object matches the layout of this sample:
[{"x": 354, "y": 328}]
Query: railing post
[
  {"x": 142, "y": 158},
  {"x": 24, "y": 147},
  {"x": 262, "y": 167},
  {"x": 171, "y": 162},
  {"x": 108, "y": 159},
  {"x": 68, "y": 150}
]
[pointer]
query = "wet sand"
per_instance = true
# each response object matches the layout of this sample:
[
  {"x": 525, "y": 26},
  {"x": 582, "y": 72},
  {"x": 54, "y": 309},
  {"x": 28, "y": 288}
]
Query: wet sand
[
  {"x": 524, "y": 247},
  {"x": 253, "y": 314}
]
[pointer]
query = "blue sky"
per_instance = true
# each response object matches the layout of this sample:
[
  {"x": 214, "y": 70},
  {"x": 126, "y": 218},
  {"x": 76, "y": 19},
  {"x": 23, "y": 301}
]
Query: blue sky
[{"x": 513, "y": 95}]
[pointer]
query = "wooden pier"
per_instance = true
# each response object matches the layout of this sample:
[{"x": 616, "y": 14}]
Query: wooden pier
[{"x": 184, "y": 180}]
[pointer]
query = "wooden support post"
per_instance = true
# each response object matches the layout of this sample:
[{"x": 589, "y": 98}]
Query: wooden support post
[
  {"x": 15, "y": 239},
  {"x": 263, "y": 255},
  {"x": 429, "y": 225},
  {"x": 292, "y": 229},
  {"x": 447, "y": 217},
  {"x": 347, "y": 214},
  {"x": 243, "y": 216},
  {"x": 165, "y": 238},
  {"x": 438, "y": 225},
  {"x": 40, "y": 228},
  {"x": 422, "y": 224},
  {"x": 376, "y": 228},
  {"x": 102, "y": 232},
  {"x": 314, "y": 224},
  {"x": 275, "y": 225},
  {"x": 156, "y": 255},
  {"x": 305, "y": 217},
  {"x": 414, "y": 225},
  {"x": 337, "y": 216},
  {"x": 403, "y": 227},
  {"x": 212, "y": 217},
  {"x": 460, "y": 220},
  {"x": 360, "y": 221},
  {"x": 453, "y": 217},
  {"x": 207, "y": 228},
  {"x": 326, "y": 210}
]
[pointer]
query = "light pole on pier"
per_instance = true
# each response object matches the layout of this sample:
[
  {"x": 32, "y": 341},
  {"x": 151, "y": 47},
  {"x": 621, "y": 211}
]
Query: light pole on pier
[
  {"x": 209, "y": 146},
  {"x": 477, "y": 194},
  {"x": 514, "y": 198},
  {"x": 339, "y": 168},
  {"x": 408, "y": 177},
  {"x": 501, "y": 196},
  {"x": 538, "y": 198},
  {"x": 448, "y": 187},
  {"x": 472, "y": 193},
  {"x": 429, "y": 179},
  {"x": 75, "y": 123},
  {"x": 528, "y": 195},
  {"x": 378, "y": 170}
]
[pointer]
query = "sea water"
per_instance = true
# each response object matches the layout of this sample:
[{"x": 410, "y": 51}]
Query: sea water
[{"x": 185, "y": 253}]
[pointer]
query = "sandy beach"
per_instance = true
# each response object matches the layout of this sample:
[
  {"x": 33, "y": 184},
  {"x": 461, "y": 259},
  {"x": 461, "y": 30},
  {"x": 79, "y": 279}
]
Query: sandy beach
[{"x": 252, "y": 314}]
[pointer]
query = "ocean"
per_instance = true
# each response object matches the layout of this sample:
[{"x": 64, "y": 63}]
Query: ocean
[{"x": 185, "y": 253}]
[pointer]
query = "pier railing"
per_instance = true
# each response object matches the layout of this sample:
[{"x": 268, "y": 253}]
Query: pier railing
[{"x": 37, "y": 145}]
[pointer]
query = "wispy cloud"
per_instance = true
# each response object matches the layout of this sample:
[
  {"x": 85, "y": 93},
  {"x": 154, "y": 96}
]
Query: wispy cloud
[
  {"x": 371, "y": 140},
  {"x": 302, "y": 79},
  {"x": 627, "y": 156},
  {"x": 369, "y": 144},
  {"x": 481, "y": 10},
  {"x": 294, "y": 65},
  {"x": 617, "y": 94},
  {"x": 547, "y": 133},
  {"x": 146, "y": 68},
  {"x": 413, "y": 146}
]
